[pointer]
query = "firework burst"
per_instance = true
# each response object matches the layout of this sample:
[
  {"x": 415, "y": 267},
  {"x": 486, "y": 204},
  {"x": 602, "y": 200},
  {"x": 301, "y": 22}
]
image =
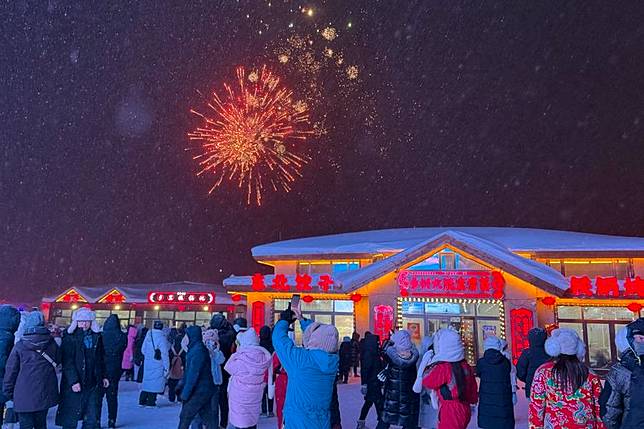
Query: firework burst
[{"x": 253, "y": 135}]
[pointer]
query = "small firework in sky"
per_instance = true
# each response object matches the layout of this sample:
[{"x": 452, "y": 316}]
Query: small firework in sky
[
  {"x": 329, "y": 33},
  {"x": 253, "y": 135}
]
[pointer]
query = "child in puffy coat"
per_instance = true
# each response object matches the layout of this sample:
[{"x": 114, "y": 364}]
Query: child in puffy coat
[{"x": 247, "y": 368}]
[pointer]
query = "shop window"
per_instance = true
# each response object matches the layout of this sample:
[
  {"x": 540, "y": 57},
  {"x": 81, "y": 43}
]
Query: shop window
[
  {"x": 556, "y": 265},
  {"x": 607, "y": 313},
  {"x": 183, "y": 316},
  {"x": 485, "y": 329},
  {"x": 415, "y": 326},
  {"x": 599, "y": 351},
  {"x": 167, "y": 315},
  {"x": 327, "y": 267},
  {"x": 150, "y": 314},
  {"x": 341, "y": 306},
  {"x": 577, "y": 327},
  {"x": 409, "y": 307},
  {"x": 340, "y": 267},
  {"x": 568, "y": 312},
  {"x": 323, "y": 318},
  {"x": 281, "y": 304},
  {"x": 450, "y": 308},
  {"x": 485, "y": 309},
  {"x": 446, "y": 260},
  {"x": 595, "y": 268},
  {"x": 317, "y": 305},
  {"x": 344, "y": 325},
  {"x": 66, "y": 313},
  {"x": 202, "y": 318}
]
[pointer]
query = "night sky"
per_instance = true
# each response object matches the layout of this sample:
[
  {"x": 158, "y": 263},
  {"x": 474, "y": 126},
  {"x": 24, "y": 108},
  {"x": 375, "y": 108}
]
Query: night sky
[{"x": 466, "y": 113}]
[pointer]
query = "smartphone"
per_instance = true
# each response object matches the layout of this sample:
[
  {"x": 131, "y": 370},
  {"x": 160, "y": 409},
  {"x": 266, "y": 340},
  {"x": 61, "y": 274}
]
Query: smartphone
[{"x": 295, "y": 302}]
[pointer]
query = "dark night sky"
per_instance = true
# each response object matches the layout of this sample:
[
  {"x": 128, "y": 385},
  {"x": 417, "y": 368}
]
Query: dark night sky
[{"x": 488, "y": 113}]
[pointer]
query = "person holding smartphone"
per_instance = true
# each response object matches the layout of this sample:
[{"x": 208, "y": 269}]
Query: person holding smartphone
[{"x": 311, "y": 369}]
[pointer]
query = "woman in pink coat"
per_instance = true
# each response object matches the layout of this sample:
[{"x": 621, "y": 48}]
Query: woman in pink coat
[
  {"x": 128, "y": 356},
  {"x": 247, "y": 368}
]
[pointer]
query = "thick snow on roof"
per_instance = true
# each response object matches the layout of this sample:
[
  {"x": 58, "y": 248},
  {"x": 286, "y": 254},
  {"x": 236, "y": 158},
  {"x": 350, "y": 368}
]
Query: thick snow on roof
[
  {"x": 396, "y": 240},
  {"x": 485, "y": 250}
]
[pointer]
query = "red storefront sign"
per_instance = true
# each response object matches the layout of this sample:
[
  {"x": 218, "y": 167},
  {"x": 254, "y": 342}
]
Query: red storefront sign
[
  {"x": 465, "y": 284},
  {"x": 606, "y": 287},
  {"x": 196, "y": 298},
  {"x": 383, "y": 321},
  {"x": 303, "y": 283},
  {"x": 521, "y": 321}
]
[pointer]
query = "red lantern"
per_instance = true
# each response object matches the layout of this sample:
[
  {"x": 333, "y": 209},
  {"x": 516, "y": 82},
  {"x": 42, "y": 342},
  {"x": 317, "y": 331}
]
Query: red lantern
[
  {"x": 549, "y": 300},
  {"x": 236, "y": 297},
  {"x": 356, "y": 297},
  {"x": 230, "y": 309},
  {"x": 404, "y": 292},
  {"x": 307, "y": 298},
  {"x": 635, "y": 307}
]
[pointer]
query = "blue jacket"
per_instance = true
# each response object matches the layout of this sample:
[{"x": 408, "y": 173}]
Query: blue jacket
[
  {"x": 197, "y": 377},
  {"x": 311, "y": 376}
]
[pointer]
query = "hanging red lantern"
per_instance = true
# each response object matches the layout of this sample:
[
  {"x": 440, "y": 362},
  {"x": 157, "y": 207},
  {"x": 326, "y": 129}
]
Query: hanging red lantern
[
  {"x": 307, "y": 298},
  {"x": 404, "y": 292},
  {"x": 236, "y": 297},
  {"x": 635, "y": 307},
  {"x": 549, "y": 300},
  {"x": 356, "y": 297}
]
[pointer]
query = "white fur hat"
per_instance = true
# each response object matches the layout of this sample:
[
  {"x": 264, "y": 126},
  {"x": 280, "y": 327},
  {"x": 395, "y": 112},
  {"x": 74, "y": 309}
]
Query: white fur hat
[
  {"x": 247, "y": 338},
  {"x": 83, "y": 314},
  {"x": 565, "y": 341}
]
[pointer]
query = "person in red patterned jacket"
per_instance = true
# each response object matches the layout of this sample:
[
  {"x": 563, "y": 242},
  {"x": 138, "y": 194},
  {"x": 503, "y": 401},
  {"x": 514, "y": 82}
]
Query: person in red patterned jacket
[
  {"x": 565, "y": 394},
  {"x": 453, "y": 380}
]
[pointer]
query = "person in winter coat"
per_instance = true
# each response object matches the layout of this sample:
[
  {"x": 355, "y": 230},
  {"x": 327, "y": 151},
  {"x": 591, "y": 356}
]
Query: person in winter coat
[
  {"x": 370, "y": 367},
  {"x": 265, "y": 341},
  {"x": 217, "y": 359},
  {"x": 428, "y": 410},
  {"x": 198, "y": 386},
  {"x": 114, "y": 343},
  {"x": 624, "y": 380},
  {"x": 128, "y": 355},
  {"x": 564, "y": 393},
  {"x": 9, "y": 323},
  {"x": 177, "y": 363},
  {"x": 346, "y": 360},
  {"x": 139, "y": 359},
  {"x": 247, "y": 368},
  {"x": 513, "y": 370},
  {"x": 495, "y": 410},
  {"x": 227, "y": 335},
  {"x": 83, "y": 372},
  {"x": 335, "y": 416},
  {"x": 311, "y": 369},
  {"x": 355, "y": 353},
  {"x": 156, "y": 352},
  {"x": 30, "y": 378},
  {"x": 281, "y": 383},
  {"x": 452, "y": 378},
  {"x": 532, "y": 358},
  {"x": 401, "y": 403}
]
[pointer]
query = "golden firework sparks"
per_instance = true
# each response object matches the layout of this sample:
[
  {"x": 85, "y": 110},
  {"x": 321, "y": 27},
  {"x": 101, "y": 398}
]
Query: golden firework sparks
[
  {"x": 329, "y": 33},
  {"x": 253, "y": 135},
  {"x": 352, "y": 72}
]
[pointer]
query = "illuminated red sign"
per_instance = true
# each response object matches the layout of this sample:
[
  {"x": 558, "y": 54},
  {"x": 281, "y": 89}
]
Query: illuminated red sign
[
  {"x": 303, "y": 283},
  {"x": 197, "y": 298},
  {"x": 606, "y": 287},
  {"x": 466, "y": 284},
  {"x": 383, "y": 321},
  {"x": 521, "y": 321}
]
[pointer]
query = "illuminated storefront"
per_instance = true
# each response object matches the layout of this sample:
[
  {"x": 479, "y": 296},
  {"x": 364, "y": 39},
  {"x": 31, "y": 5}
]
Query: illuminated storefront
[
  {"x": 480, "y": 281},
  {"x": 173, "y": 303}
]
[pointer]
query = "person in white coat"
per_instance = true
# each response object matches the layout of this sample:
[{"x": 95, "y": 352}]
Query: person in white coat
[
  {"x": 428, "y": 412},
  {"x": 156, "y": 350}
]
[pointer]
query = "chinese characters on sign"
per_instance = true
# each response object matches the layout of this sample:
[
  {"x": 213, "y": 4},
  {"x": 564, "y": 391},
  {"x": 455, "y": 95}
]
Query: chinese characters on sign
[
  {"x": 467, "y": 284},
  {"x": 521, "y": 321},
  {"x": 202, "y": 298},
  {"x": 303, "y": 283},
  {"x": 606, "y": 287}
]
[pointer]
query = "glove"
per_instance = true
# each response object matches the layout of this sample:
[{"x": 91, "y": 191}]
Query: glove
[
  {"x": 8, "y": 404},
  {"x": 288, "y": 315},
  {"x": 363, "y": 390},
  {"x": 514, "y": 398}
]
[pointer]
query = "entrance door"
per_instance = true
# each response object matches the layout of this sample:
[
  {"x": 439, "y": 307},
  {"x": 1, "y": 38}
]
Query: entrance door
[{"x": 463, "y": 325}]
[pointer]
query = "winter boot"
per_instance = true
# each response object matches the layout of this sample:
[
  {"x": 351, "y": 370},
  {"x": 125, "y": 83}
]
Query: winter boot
[
  {"x": 111, "y": 423},
  {"x": 361, "y": 424}
]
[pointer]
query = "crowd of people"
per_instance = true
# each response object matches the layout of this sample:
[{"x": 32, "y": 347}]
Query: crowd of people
[{"x": 228, "y": 376}]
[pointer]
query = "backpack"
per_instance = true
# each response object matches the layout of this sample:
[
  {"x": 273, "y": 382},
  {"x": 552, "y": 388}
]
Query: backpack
[{"x": 176, "y": 366}]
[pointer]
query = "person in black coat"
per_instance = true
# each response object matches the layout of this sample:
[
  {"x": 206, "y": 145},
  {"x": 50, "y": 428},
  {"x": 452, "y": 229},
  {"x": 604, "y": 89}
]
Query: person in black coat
[
  {"x": 9, "y": 322},
  {"x": 177, "y": 361},
  {"x": 266, "y": 341},
  {"x": 355, "y": 353},
  {"x": 197, "y": 383},
  {"x": 370, "y": 367},
  {"x": 83, "y": 372},
  {"x": 227, "y": 337},
  {"x": 346, "y": 360},
  {"x": 114, "y": 343},
  {"x": 30, "y": 378},
  {"x": 496, "y": 410},
  {"x": 139, "y": 359},
  {"x": 532, "y": 358},
  {"x": 401, "y": 403}
]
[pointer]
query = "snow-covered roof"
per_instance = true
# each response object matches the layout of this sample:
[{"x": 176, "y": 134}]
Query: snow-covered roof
[
  {"x": 397, "y": 240},
  {"x": 138, "y": 292},
  {"x": 498, "y": 256}
]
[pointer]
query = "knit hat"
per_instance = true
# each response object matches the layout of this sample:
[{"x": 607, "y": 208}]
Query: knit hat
[
  {"x": 321, "y": 337},
  {"x": 448, "y": 346},
  {"x": 346, "y": 339},
  {"x": 247, "y": 338},
  {"x": 33, "y": 320},
  {"x": 83, "y": 314},
  {"x": 158, "y": 325},
  {"x": 565, "y": 341},
  {"x": 240, "y": 324},
  {"x": 402, "y": 341},
  {"x": 492, "y": 343}
]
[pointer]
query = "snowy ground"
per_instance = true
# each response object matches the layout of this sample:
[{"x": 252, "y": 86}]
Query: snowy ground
[{"x": 167, "y": 415}]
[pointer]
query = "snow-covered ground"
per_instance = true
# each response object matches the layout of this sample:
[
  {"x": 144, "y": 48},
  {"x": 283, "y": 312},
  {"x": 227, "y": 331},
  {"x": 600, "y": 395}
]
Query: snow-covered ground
[{"x": 167, "y": 415}]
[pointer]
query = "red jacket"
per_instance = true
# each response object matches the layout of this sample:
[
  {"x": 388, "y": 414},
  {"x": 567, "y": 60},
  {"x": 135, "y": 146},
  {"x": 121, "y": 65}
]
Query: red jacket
[{"x": 454, "y": 411}]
